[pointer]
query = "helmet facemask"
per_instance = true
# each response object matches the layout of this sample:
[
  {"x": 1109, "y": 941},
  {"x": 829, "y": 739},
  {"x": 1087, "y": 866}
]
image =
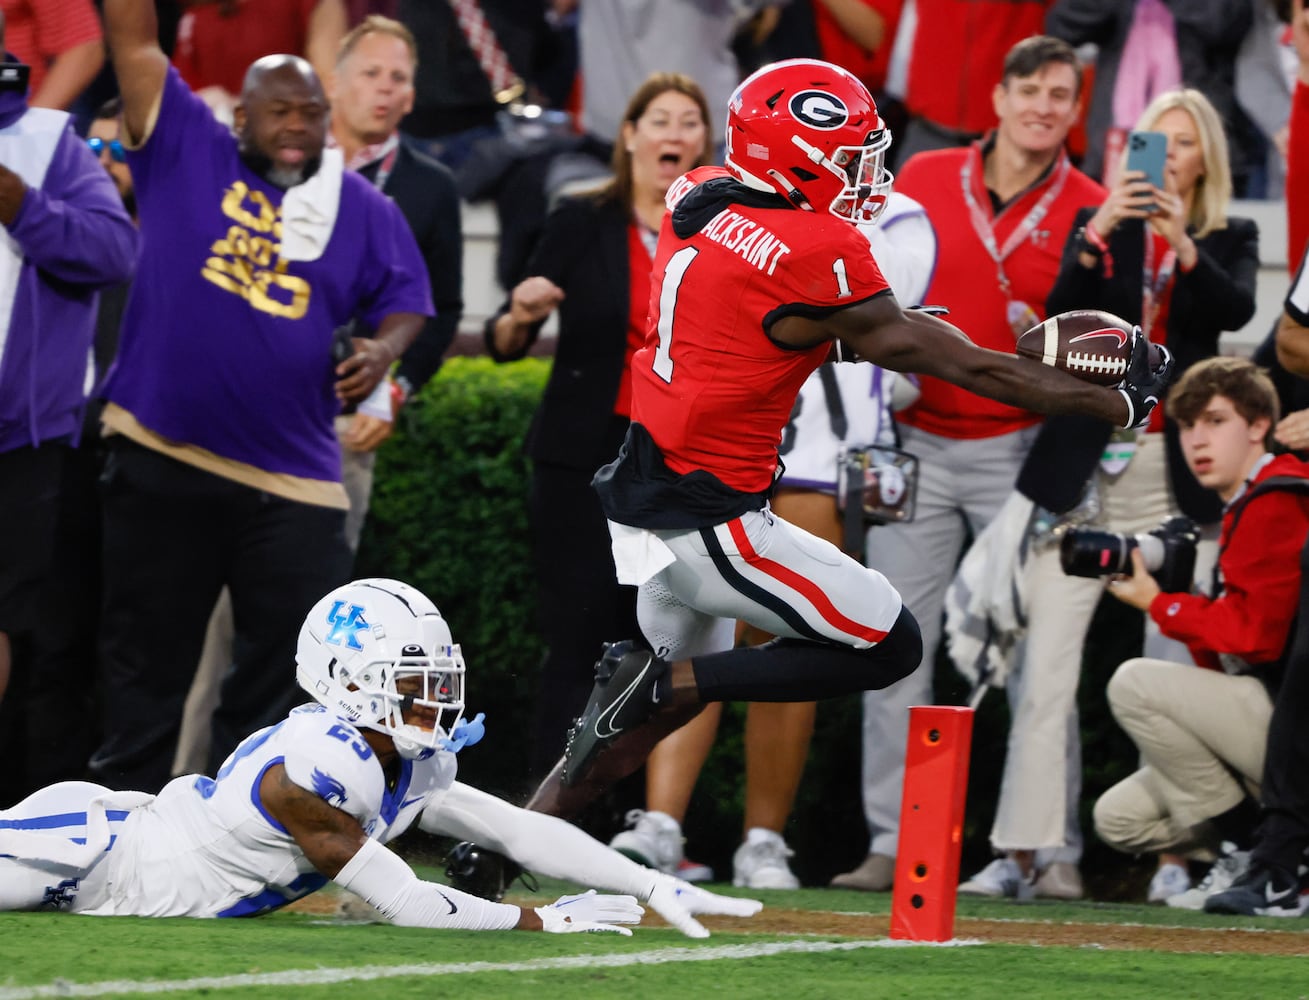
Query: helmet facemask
[
  {"x": 865, "y": 181},
  {"x": 424, "y": 698}
]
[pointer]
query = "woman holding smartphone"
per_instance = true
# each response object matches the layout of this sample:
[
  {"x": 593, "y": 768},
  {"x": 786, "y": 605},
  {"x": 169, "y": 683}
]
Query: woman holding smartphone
[{"x": 1168, "y": 257}]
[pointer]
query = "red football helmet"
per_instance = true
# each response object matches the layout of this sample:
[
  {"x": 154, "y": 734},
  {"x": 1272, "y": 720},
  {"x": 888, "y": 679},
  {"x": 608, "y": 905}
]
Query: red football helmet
[{"x": 811, "y": 131}]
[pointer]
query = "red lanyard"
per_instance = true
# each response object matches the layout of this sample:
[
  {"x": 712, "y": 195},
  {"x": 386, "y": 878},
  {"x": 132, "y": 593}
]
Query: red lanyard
[
  {"x": 984, "y": 226},
  {"x": 384, "y": 171},
  {"x": 1154, "y": 282}
]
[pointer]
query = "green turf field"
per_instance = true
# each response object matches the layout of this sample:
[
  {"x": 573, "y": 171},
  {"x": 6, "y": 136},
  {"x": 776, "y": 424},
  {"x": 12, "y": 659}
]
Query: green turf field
[{"x": 310, "y": 957}]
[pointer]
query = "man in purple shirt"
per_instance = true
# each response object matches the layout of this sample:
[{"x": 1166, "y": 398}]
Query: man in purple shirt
[
  {"x": 223, "y": 465},
  {"x": 67, "y": 237}
]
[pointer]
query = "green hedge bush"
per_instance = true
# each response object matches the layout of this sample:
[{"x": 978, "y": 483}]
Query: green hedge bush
[{"x": 449, "y": 516}]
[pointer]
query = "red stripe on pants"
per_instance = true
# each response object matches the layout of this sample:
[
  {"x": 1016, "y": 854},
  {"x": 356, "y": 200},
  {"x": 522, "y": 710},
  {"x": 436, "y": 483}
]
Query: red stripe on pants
[{"x": 802, "y": 585}]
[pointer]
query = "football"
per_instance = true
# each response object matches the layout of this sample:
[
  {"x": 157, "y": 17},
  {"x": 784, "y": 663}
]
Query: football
[{"x": 1093, "y": 345}]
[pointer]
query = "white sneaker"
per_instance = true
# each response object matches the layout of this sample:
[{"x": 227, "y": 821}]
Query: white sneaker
[
  {"x": 654, "y": 840},
  {"x": 1230, "y": 866},
  {"x": 760, "y": 862},
  {"x": 1001, "y": 879},
  {"x": 1170, "y": 880}
]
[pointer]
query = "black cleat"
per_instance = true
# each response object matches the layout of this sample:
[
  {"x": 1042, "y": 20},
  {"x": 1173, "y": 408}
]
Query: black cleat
[
  {"x": 624, "y": 696},
  {"x": 1261, "y": 892},
  {"x": 480, "y": 872}
]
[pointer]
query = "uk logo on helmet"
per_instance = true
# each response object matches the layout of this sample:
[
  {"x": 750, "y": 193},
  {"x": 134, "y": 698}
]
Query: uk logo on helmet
[
  {"x": 346, "y": 625},
  {"x": 819, "y": 109}
]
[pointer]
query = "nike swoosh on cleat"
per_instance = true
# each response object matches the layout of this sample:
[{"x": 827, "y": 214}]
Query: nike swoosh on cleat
[{"x": 617, "y": 705}]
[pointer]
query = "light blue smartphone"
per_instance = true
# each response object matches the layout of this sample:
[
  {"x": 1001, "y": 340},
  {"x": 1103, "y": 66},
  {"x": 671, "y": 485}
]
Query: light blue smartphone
[{"x": 1147, "y": 152}]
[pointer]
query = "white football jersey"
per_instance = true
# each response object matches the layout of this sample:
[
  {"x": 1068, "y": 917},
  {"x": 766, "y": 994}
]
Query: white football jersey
[{"x": 205, "y": 847}]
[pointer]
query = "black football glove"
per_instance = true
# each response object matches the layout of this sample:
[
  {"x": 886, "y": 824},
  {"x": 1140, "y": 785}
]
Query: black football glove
[{"x": 1143, "y": 386}]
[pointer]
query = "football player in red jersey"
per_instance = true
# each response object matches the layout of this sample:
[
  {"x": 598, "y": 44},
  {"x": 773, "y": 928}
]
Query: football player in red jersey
[{"x": 760, "y": 274}]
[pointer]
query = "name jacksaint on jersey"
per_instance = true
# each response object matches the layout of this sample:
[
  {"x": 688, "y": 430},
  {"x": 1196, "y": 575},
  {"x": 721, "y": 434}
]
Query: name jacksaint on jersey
[{"x": 710, "y": 386}]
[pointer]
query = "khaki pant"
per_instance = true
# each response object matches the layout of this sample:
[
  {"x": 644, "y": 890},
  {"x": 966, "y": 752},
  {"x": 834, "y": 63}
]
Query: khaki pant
[
  {"x": 1202, "y": 736},
  {"x": 1041, "y": 784}
]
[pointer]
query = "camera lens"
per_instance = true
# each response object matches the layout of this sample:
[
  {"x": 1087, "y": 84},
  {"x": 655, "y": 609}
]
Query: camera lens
[{"x": 1093, "y": 553}]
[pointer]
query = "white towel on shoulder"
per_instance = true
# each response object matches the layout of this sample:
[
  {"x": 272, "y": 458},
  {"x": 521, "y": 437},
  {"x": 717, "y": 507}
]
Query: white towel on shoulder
[{"x": 309, "y": 210}]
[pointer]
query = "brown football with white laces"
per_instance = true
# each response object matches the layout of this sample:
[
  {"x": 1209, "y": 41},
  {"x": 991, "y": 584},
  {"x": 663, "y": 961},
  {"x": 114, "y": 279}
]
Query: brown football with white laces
[{"x": 1093, "y": 345}]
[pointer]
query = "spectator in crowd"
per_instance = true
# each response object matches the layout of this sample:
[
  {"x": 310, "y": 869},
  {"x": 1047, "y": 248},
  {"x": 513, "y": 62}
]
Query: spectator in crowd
[
  {"x": 1273, "y": 883},
  {"x": 55, "y": 672},
  {"x": 1002, "y": 209},
  {"x": 224, "y": 468},
  {"x": 1297, "y": 146},
  {"x": 839, "y": 407},
  {"x": 372, "y": 88},
  {"x": 943, "y": 64},
  {"x": 592, "y": 265},
  {"x": 1200, "y": 267},
  {"x": 456, "y": 102},
  {"x": 853, "y": 34},
  {"x": 68, "y": 236},
  {"x": 1202, "y": 728},
  {"x": 1263, "y": 80},
  {"x": 1144, "y": 48},
  {"x": 319, "y": 794},
  {"x": 622, "y": 42},
  {"x": 216, "y": 41},
  {"x": 61, "y": 43},
  {"x": 485, "y": 105}
]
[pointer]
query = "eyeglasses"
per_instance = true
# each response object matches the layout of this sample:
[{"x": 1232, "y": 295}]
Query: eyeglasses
[{"x": 116, "y": 151}]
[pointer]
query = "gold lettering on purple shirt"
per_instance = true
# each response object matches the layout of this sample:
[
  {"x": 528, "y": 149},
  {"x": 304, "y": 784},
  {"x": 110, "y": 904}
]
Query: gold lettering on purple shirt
[{"x": 245, "y": 260}]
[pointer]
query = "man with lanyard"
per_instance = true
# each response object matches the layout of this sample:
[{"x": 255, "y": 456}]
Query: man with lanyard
[
  {"x": 371, "y": 90},
  {"x": 1002, "y": 209}
]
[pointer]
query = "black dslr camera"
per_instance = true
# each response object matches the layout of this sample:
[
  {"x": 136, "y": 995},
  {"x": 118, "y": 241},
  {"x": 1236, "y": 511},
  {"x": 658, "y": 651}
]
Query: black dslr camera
[{"x": 1169, "y": 552}]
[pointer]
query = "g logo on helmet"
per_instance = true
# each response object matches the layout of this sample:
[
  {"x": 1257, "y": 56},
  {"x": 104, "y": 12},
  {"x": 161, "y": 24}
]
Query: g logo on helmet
[{"x": 819, "y": 109}]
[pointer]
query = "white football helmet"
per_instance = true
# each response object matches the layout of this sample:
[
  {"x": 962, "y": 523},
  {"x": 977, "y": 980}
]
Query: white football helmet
[{"x": 374, "y": 650}]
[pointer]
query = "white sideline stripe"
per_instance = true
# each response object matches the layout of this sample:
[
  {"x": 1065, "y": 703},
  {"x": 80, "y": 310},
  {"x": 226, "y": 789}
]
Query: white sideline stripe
[{"x": 329, "y": 976}]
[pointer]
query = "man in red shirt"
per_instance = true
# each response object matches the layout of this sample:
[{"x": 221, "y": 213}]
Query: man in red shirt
[
  {"x": 1002, "y": 209},
  {"x": 61, "y": 41},
  {"x": 758, "y": 271}
]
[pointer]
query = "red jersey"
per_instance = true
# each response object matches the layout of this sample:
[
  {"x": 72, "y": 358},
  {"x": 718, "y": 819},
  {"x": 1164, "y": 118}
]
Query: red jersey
[
  {"x": 957, "y": 57},
  {"x": 1253, "y": 619},
  {"x": 1297, "y": 178},
  {"x": 38, "y": 31},
  {"x": 710, "y": 387}
]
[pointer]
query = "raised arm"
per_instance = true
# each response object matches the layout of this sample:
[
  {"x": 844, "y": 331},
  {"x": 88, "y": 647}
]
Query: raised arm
[{"x": 132, "y": 34}]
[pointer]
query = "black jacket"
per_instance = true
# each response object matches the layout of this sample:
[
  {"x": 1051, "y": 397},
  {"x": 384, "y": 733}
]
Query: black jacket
[
  {"x": 1217, "y": 295},
  {"x": 583, "y": 250},
  {"x": 426, "y": 195}
]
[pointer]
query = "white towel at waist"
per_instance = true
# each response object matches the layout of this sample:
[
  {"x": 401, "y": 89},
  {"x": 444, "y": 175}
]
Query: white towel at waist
[{"x": 638, "y": 554}]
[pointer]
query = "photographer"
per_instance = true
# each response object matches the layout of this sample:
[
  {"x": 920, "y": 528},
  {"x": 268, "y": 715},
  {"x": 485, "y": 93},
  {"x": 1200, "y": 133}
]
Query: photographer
[{"x": 1201, "y": 729}]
